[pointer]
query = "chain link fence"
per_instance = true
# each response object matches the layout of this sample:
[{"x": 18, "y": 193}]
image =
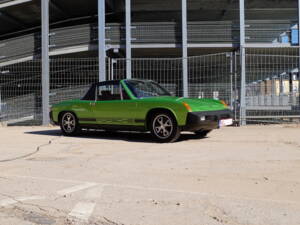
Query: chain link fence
[
  {"x": 21, "y": 90},
  {"x": 272, "y": 82},
  {"x": 71, "y": 78},
  {"x": 272, "y": 85},
  {"x": 211, "y": 76},
  {"x": 166, "y": 71}
]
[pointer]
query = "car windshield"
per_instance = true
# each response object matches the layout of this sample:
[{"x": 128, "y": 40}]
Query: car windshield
[{"x": 146, "y": 89}]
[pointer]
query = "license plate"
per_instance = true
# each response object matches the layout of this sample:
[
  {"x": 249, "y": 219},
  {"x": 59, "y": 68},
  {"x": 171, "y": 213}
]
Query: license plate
[{"x": 225, "y": 122}]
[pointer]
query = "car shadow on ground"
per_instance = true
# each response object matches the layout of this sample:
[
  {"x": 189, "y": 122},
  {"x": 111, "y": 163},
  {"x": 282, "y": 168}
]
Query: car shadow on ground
[{"x": 110, "y": 135}]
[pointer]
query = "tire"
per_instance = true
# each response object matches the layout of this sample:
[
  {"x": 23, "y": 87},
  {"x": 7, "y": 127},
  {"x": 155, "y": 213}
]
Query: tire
[
  {"x": 164, "y": 128},
  {"x": 69, "y": 124},
  {"x": 202, "y": 133}
]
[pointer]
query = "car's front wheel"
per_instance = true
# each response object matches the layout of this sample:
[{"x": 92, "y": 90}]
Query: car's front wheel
[
  {"x": 69, "y": 124},
  {"x": 164, "y": 128}
]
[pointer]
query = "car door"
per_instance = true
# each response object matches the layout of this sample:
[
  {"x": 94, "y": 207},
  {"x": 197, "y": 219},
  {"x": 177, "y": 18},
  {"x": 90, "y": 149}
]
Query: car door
[
  {"x": 84, "y": 107},
  {"x": 112, "y": 107}
]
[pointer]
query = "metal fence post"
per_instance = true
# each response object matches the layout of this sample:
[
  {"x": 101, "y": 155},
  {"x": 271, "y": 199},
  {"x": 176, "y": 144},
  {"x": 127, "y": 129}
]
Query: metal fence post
[
  {"x": 235, "y": 86},
  {"x": 109, "y": 68},
  {"x": 128, "y": 38},
  {"x": 231, "y": 80},
  {"x": 101, "y": 40},
  {"x": 45, "y": 62},
  {"x": 243, "y": 64},
  {"x": 0, "y": 104},
  {"x": 184, "y": 48},
  {"x": 112, "y": 68}
]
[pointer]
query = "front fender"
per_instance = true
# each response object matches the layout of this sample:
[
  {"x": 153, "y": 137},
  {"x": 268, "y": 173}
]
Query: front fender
[{"x": 178, "y": 110}]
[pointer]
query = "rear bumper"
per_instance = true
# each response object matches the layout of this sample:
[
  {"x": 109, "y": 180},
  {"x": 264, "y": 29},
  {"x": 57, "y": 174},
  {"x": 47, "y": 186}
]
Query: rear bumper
[{"x": 206, "y": 120}]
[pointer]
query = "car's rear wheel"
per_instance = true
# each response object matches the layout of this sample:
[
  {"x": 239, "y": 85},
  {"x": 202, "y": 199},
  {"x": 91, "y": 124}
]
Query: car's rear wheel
[
  {"x": 164, "y": 128},
  {"x": 202, "y": 133},
  {"x": 69, "y": 124}
]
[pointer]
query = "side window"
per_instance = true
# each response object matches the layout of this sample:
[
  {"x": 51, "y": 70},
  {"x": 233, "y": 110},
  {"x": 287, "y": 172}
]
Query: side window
[{"x": 108, "y": 92}]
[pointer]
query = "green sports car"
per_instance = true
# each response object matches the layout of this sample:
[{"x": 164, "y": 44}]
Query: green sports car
[{"x": 139, "y": 105}]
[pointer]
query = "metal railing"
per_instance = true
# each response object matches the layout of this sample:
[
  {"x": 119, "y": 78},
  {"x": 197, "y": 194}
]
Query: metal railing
[
  {"x": 201, "y": 32},
  {"x": 166, "y": 71},
  {"x": 272, "y": 82}
]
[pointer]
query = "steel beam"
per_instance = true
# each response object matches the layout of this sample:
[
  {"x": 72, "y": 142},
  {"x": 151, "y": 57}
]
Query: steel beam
[
  {"x": 128, "y": 37},
  {"x": 12, "y": 3},
  {"x": 299, "y": 48},
  {"x": 184, "y": 47},
  {"x": 235, "y": 86},
  {"x": 299, "y": 26},
  {"x": 45, "y": 62},
  {"x": 101, "y": 40},
  {"x": 231, "y": 81},
  {"x": 243, "y": 64},
  {"x": 0, "y": 105}
]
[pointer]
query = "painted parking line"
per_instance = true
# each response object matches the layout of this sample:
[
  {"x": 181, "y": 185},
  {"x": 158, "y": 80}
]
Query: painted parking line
[
  {"x": 94, "y": 193},
  {"x": 76, "y": 188},
  {"x": 81, "y": 184},
  {"x": 42, "y": 178},
  {"x": 170, "y": 190},
  {"x": 83, "y": 211},
  {"x": 11, "y": 201}
]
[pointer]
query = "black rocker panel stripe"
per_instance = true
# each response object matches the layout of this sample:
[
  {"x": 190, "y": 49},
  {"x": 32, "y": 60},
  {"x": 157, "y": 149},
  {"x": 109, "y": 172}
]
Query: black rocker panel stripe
[
  {"x": 88, "y": 119},
  {"x": 116, "y": 119}
]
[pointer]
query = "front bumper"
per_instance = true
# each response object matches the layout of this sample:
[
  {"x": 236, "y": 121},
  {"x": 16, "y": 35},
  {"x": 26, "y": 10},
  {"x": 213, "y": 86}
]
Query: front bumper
[{"x": 206, "y": 120}]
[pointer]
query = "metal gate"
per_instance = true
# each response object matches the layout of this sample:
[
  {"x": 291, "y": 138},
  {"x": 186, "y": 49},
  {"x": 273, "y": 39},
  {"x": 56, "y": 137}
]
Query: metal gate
[
  {"x": 272, "y": 85},
  {"x": 166, "y": 71},
  {"x": 215, "y": 76}
]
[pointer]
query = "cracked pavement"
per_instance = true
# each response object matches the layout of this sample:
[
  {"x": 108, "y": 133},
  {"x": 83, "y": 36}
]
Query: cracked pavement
[{"x": 236, "y": 176}]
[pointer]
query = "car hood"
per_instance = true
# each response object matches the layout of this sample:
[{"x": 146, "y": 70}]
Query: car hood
[{"x": 204, "y": 104}]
